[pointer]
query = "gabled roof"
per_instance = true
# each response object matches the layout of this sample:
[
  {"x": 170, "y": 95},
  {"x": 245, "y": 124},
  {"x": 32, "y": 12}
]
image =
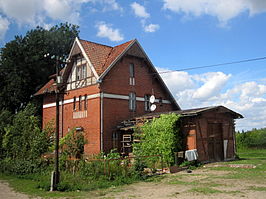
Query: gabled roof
[{"x": 101, "y": 56}]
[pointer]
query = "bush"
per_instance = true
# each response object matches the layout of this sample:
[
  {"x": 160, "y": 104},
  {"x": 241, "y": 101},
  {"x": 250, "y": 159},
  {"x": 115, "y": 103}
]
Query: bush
[
  {"x": 23, "y": 138},
  {"x": 159, "y": 137},
  {"x": 23, "y": 167}
]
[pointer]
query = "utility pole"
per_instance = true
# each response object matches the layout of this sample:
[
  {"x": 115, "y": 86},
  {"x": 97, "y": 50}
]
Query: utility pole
[{"x": 55, "y": 178}]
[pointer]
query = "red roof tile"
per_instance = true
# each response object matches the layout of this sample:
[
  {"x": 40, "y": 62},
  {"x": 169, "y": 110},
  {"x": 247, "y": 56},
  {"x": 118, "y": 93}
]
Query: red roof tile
[
  {"x": 47, "y": 88},
  {"x": 101, "y": 56}
]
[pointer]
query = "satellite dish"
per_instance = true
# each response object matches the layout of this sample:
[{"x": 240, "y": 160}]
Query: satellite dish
[
  {"x": 152, "y": 99},
  {"x": 153, "y": 107}
]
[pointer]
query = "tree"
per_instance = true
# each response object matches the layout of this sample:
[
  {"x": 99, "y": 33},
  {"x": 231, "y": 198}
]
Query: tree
[
  {"x": 5, "y": 120},
  {"x": 23, "y": 67},
  {"x": 23, "y": 138}
]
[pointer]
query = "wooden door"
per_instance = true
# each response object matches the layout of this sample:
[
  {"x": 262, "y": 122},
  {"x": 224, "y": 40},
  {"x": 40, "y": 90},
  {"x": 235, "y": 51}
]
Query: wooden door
[{"x": 215, "y": 142}]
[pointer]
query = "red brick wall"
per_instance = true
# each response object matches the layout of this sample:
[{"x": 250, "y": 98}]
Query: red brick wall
[
  {"x": 91, "y": 123},
  {"x": 114, "y": 110},
  {"x": 117, "y": 82}
]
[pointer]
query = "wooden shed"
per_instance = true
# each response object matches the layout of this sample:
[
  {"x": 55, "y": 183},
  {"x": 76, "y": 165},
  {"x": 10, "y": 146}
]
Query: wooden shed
[{"x": 210, "y": 130}]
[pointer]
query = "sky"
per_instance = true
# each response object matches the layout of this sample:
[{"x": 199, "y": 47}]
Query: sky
[{"x": 176, "y": 35}]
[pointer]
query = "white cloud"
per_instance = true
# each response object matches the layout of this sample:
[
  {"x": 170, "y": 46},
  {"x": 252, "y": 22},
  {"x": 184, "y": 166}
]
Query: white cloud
[
  {"x": 40, "y": 12},
  {"x": 4, "y": 23},
  {"x": 107, "y": 5},
  {"x": 151, "y": 28},
  {"x": 111, "y": 5},
  {"x": 213, "y": 83},
  {"x": 210, "y": 89},
  {"x": 223, "y": 10},
  {"x": 139, "y": 10},
  {"x": 61, "y": 10},
  {"x": 21, "y": 11},
  {"x": 106, "y": 31}
]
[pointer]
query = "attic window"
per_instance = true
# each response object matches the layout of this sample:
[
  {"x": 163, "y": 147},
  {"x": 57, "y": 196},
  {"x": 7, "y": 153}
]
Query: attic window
[{"x": 81, "y": 72}]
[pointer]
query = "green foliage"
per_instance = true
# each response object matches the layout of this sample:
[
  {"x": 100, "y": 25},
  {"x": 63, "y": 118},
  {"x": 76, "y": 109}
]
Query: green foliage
[
  {"x": 5, "y": 120},
  {"x": 23, "y": 66},
  {"x": 159, "y": 137},
  {"x": 109, "y": 166},
  {"x": 255, "y": 138},
  {"x": 72, "y": 144},
  {"x": 22, "y": 167},
  {"x": 23, "y": 138}
]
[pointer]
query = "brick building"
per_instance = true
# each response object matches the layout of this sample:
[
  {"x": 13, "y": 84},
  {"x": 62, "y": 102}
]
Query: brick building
[{"x": 103, "y": 86}]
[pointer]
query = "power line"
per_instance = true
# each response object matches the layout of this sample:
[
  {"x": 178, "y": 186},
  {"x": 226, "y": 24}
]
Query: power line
[
  {"x": 199, "y": 67},
  {"x": 214, "y": 65},
  {"x": 189, "y": 68}
]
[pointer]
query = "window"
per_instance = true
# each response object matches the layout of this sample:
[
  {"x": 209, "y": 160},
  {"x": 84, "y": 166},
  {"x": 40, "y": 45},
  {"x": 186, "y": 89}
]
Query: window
[
  {"x": 79, "y": 103},
  {"x": 132, "y": 101},
  {"x": 85, "y": 102},
  {"x": 81, "y": 72},
  {"x": 131, "y": 74},
  {"x": 74, "y": 103},
  {"x": 147, "y": 104}
]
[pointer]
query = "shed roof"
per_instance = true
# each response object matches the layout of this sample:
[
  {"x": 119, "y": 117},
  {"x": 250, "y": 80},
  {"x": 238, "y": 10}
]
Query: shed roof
[{"x": 195, "y": 112}]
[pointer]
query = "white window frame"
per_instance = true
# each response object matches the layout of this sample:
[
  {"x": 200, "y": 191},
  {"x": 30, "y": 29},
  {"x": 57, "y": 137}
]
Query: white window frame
[
  {"x": 147, "y": 104},
  {"x": 131, "y": 74},
  {"x": 132, "y": 101}
]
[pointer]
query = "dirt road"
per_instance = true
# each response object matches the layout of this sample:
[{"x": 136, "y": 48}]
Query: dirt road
[
  {"x": 7, "y": 193},
  {"x": 200, "y": 184}
]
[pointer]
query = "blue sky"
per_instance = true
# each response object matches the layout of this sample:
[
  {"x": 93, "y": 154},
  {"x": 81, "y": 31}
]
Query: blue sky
[{"x": 175, "y": 34}]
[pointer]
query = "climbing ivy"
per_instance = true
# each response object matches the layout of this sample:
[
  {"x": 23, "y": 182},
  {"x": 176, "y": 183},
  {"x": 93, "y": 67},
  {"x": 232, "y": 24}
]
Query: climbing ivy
[{"x": 161, "y": 136}]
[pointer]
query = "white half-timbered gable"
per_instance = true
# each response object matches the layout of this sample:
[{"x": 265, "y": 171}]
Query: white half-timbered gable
[{"x": 81, "y": 74}]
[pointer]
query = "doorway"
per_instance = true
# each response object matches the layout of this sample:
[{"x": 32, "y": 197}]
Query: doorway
[{"x": 215, "y": 142}]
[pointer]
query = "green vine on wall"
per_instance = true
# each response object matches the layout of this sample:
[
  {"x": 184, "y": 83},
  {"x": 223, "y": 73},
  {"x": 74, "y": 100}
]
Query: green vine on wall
[{"x": 161, "y": 136}]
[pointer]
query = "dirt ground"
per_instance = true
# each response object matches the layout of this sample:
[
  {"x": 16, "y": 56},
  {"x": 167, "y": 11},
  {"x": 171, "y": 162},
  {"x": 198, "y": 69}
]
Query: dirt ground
[
  {"x": 7, "y": 193},
  {"x": 200, "y": 184}
]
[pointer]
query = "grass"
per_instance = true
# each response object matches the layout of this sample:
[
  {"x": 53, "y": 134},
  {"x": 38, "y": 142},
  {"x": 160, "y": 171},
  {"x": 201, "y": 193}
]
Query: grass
[
  {"x": 29, "y": 187},
  {"x": 252, "y": 157},
  {"x": 255, "y": 188},
  {"x": 204, "y": 183},
  {"x": 205, "y": 190},
  {"x": 75, "y": 186}
]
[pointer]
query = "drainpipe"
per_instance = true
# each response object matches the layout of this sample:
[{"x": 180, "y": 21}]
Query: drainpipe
[{"x": 101, "y": 122}]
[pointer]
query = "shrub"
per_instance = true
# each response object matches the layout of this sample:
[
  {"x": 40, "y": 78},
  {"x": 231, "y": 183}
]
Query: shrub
[
  {"x": 159, "y": 137},
  {"x": 23, "y": 138}
]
